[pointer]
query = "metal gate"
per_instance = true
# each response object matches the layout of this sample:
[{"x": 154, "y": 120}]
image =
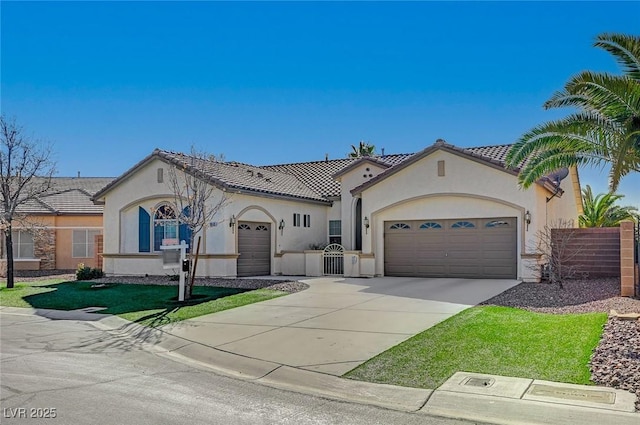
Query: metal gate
[{"x": 333, "y": 260}]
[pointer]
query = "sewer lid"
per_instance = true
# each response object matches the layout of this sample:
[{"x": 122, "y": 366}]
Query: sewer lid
[
  {"x": 479, "y": 382},
  {"x": 565, "y": 393}
]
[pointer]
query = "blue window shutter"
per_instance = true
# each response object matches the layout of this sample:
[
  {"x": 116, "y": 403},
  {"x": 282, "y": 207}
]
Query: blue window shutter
[
  {"x": 144, "y": 230},
  {"x": 184, "y": 233}
]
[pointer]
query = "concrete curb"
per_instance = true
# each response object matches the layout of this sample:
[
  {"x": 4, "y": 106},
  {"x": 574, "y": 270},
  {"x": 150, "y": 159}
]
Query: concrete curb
[
  {"x": 507, "y": 411},
  {"x": 505, "y": 400},
  {"x": 381, "y": 395}
]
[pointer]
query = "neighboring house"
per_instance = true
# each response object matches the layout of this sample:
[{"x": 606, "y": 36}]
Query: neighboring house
[
  {"x": 57, "y": 231},
  {"x": 444, "y": 211}
]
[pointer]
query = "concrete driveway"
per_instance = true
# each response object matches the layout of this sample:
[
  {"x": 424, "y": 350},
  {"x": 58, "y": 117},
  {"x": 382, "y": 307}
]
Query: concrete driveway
[{"x": 337, "y": 323}]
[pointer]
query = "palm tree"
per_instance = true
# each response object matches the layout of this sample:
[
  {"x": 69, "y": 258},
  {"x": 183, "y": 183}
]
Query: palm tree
[
  {"x": 606, "y": 128},
  {"x": 601, "y": 211},
  {"x": 363, "y": 149}
]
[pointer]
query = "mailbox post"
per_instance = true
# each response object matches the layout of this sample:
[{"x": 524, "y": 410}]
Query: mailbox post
[{"x": 175, "y": 256}]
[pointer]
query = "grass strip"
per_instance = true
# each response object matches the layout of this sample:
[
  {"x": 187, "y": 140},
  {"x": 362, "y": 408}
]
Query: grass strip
[{"x": 493, "y": 340}]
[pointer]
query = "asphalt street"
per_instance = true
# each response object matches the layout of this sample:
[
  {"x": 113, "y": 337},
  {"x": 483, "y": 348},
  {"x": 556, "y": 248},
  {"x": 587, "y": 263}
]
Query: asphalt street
[{"x": 70, "y": 372}]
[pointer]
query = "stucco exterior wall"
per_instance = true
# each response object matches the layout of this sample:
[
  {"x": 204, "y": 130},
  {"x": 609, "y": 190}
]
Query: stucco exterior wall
[
  {"x": 349, "y": 180},
  {"x": 53, "y": 237},
  {"x": 219, "y": 239},
  {"x": 65, "y": 225},
  {"x": 468, "y": 189}
]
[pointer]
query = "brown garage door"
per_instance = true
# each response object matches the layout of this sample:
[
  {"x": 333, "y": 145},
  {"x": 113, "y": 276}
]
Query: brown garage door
[
  {"x": 472, "y": 248},
  {"x": 254, "y": 247}
]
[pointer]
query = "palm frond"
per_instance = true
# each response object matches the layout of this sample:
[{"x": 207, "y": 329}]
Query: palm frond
[
  {"x": 605, "y": 130},
  {"x": 610, "y": 96},
  {"x": 626, "y": 49},
  {"x": 545, "y": 162},
  {"x": 601, "y": 211}
]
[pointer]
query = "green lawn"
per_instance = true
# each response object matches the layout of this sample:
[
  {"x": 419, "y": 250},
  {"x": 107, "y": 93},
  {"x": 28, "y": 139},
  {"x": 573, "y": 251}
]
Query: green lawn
[
  {"x": 150, "y": 305},
  {"x": 492, "y": 340}
]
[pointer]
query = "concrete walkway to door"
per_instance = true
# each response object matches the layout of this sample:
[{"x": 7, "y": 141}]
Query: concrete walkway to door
[{"x": 337, "y": 324}]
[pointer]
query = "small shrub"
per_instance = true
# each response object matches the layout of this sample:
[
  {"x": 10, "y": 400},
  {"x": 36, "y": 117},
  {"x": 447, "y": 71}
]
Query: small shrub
[
  {"x": 88, "y": 273},
  {"x": 318, "y": 246}
]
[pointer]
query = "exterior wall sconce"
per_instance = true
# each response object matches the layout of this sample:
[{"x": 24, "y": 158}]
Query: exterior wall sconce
[
  {"x": 366, "y": 224},
  {"x": 281, "y": 226},
  {"x": 232, "y": 223},
  {"x": 527, "y": 219}
]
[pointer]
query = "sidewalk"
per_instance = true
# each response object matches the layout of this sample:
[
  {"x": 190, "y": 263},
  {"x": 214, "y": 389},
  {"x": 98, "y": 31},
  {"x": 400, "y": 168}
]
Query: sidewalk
[{"x": 486, "y": 398}]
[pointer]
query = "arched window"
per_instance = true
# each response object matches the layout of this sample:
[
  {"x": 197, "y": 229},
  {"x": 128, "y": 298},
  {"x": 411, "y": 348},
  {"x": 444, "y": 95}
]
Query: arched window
[
  {"x": 165, "y": 226},
  {"x": 497, "y": 223},
  {"x": 431, "y": 225},
  {"x": 462, "y": 225},
  {"x": 400, "y": 226}
]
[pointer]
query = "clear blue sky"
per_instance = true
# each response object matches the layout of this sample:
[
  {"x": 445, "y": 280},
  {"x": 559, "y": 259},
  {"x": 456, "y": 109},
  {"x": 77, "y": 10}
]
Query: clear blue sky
[{"x": 268, "y": 83}]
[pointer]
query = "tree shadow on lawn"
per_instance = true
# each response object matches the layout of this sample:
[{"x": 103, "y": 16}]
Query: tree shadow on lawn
[{"x": 122, "y": 298}]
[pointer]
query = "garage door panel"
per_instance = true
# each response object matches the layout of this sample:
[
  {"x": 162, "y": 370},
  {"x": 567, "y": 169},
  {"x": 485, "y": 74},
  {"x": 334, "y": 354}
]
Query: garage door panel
[
  {"x": 462, "y": 256},
  {"x": 499, "y": 256},
  {"x": 254, "y": 249},
  {"x": 483, "y": 247}
]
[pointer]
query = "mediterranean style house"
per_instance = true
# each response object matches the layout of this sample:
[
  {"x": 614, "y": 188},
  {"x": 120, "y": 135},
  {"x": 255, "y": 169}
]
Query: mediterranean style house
[
  {"x": 445, "y": 211},
  {"x": 57, "y": 230}
]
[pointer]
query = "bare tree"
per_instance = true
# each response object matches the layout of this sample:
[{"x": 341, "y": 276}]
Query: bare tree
[
  {"x": 559, "y": 249},
  {"x": 197, "y": 200},
  {"x": 26, "y": 168}
]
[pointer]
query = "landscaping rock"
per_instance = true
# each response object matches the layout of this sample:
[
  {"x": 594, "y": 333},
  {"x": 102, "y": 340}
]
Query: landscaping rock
[
  {"x": 616, "y": 360},
  {"x": 575, "y": 296}
]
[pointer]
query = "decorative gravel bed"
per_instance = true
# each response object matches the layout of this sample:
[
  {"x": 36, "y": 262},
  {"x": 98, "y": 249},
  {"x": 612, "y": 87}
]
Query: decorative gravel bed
[{"x": 616, "y": 360}]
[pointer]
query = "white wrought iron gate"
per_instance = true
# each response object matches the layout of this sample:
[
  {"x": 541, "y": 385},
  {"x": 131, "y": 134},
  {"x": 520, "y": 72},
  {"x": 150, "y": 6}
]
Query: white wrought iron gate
[{"x": 333, "y": 260}]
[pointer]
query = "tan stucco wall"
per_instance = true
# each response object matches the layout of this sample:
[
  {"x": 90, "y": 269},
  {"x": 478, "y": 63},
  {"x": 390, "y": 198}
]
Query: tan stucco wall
[
  {"x": 348, "y": 181},
  {"x": 143, "y": 190},
  {"x": 468, "y": 190},
  {"x": 64, "y": 238},
  {"x": 62, "y": 226}
]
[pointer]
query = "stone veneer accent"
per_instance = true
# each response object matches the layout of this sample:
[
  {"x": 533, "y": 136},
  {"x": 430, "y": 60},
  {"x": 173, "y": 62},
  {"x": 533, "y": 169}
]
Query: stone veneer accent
[{"x": 45, "y": 249}]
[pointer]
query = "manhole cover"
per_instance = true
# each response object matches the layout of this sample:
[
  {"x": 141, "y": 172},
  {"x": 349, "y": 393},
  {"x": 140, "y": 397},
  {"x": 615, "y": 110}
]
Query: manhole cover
[
  {"x": 479, "y": 382},
  {"x": 565, "y": 393}
]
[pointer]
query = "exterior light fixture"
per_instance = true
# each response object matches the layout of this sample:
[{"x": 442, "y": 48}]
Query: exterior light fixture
[
  {"x": 366, "y": 224},
  {"x": 281, "y": 226},
  {"x": 527, "y": 218},
  {"x": 232, "y": 223}
]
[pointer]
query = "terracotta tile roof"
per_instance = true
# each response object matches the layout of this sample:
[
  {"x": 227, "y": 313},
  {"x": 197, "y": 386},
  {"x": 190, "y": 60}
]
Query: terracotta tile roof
[
  {"x": 495, "y": 154},
  {"x": 90, "y": 185},
  {"x": 72, "y": 201},
  {"x": 312, "y": 181},
  {"x": 318, "y": 175},
  {"x": 246, "y": 178},
  {"x": 67, "y": 196}
]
